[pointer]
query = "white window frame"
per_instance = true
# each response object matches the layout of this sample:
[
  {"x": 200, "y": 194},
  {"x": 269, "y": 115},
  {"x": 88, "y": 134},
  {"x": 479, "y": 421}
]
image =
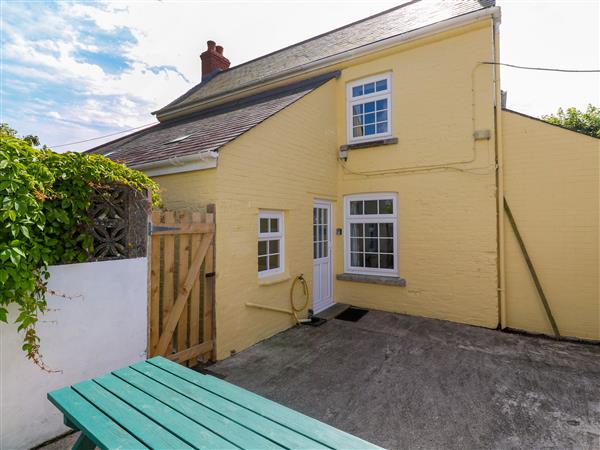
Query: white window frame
[
  {"x": 351, "y": 101},
  {"x": 371, "y": 218},
  {"x": 271, "y": 237}
]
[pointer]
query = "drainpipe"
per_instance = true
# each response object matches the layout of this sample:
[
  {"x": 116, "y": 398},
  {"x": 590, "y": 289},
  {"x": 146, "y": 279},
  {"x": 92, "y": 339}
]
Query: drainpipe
[{"x": 499, "y": 176}]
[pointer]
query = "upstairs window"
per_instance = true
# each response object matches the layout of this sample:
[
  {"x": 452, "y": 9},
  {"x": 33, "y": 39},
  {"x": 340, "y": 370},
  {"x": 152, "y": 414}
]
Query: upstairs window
[
  {"x": 270, "y": 243},
  {"x": 371, "y": 234},
  {"x": 369, "y": 108}
]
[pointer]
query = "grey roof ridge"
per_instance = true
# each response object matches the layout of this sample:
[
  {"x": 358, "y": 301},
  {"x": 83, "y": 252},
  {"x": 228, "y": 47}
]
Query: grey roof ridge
[
  {"x": 201, "y": 84},
  {"x": 232, "y": 105}
]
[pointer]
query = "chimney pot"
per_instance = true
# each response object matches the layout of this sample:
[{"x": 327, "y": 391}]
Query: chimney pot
[{"x": 213, "y": 60}]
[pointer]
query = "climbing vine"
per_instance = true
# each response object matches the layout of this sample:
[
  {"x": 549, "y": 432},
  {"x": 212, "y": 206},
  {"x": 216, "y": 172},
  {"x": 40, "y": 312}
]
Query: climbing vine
[{"x": 44, "y": 198}]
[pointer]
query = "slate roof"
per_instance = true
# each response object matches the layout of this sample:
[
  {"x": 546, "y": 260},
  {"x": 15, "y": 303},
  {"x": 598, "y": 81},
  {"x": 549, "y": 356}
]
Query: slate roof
[
  {"x": 208, "y": 130},
  {"x": 393, "y": 22}
]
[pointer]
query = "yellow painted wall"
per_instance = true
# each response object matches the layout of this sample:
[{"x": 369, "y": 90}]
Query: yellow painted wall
[
  {"x": 447, "y": 222},
  {"x": 190, "y": 191},
  {"x": 447, "y": 213},
  {"x": 282, "y": 164},
  {"x": 552, "y": 186}
]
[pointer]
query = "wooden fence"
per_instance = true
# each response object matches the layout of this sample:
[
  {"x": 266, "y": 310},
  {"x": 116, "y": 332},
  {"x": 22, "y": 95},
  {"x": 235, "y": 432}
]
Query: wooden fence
[{"x": 182, "y": 291}]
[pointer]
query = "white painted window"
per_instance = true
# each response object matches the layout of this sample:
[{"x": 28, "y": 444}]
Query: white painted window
[
  {"x": 270, "y": 243},
  {"x": 369, "y": 108},
  {"x": 371, "y": 234}
]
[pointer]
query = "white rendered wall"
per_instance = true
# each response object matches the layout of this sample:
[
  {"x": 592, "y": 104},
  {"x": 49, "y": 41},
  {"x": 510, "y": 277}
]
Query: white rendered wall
[{"x": 104, "y": 329}]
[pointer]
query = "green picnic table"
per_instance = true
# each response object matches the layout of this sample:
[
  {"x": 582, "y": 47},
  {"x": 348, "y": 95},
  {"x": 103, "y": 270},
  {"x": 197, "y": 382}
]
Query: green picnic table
[{"x": 161, "y": 405}]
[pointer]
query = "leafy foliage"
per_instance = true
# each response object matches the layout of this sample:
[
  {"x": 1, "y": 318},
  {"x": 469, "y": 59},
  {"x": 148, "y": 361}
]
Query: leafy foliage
[
  {"x": 43, "y": 220},
  {"x": 587, "y": 122}
]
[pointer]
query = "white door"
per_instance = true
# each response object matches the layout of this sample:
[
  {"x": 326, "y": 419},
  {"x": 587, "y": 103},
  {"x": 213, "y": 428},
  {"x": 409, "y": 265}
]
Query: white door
[{"x": 322, "y": 259}]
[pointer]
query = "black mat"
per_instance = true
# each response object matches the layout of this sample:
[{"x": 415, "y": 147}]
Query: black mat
[{"x": 352, "y": 314}]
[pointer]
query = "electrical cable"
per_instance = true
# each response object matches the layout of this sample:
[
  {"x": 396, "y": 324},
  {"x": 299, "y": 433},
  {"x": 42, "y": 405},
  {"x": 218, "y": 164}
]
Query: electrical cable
[
  {"x": 100, "y": 137},
  {"x": 545, "y": 69}
]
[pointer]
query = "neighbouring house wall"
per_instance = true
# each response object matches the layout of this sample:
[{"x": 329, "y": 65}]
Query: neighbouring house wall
[
  {"x": 552, "y": 186},
  {"x": 282, "y": 164},
  {"x": 190, "y": 191},
  {"x": 445, "y": 181},
  {"x": 103, "y": 327}
]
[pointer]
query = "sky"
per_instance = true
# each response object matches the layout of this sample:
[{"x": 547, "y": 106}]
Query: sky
[{"x": 73, "y": 71}]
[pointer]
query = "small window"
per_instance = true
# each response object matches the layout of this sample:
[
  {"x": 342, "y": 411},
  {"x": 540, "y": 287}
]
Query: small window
[
  {"x": 270, "y": 243},
  {"x": 371, "y": 234},
  {"x": 369, "y": 108}
]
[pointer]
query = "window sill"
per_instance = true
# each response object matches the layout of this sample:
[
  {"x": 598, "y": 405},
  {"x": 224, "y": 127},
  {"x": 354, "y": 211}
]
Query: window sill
[
  {"x": 372, "y": 279},
  {"x": 274, "y": 279},
  {"x": 366, "y": 144}
]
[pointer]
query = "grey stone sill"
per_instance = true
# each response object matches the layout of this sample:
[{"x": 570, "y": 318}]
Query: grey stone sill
[
  {"x": 373, "y": 279},
  {"x": 367, "y": 144}
]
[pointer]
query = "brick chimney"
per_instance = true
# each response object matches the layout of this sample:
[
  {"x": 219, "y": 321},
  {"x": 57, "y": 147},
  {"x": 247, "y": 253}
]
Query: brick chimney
[{"x": 213, "y": 60}]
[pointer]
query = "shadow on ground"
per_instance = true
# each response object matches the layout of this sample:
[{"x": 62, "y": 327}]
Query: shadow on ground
[{"x": 408, "y": 382}]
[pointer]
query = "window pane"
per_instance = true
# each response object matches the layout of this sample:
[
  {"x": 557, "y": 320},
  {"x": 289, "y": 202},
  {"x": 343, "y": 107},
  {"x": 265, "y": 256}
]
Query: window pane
[
  {"x": 382, "y": 116},
  {"x": 381, "y": 85},
  {"x": 357, "y": 121},
  {"x": 386, "y": 230},
  {"x": 357, "y": 90},
  {"x": 356, "y": 245},
  {"x": 356, "y": 230},
  {"x": 371, "y": 230},
  {"x": 386, "y": 207},
  {"x": 386, "y": 261},
  {"x": 262, "y": 247},
  {"x": 323, "y": 249},
  {"x": 314, "y": 215},
  {"x": 357, "y": 109},
  {"x": 381, "y": 104},
  {"x": 315, "y": 250},
  {"x": 274, "y": 262},
  {"x": 357, "y": 131},
  {"x": 356, "y": 207},
  {"x": 324, "y": 216},
  {"x": 371, "y": 245},
  {"x": 315, "y": 233},
  {"x": 369, "y": 129},
  {"x": 371, "y": 260},
  {"x": 386, "y": 245},
  {"x": 262, "y": 263},
  {"x": 370, "y": 206},
  {"x": 274, "y": 246},
  {"x": 356, "y": 260},
  {"x": 370, "y": 118},
  {"x": 369, "y": 88},
  {"x": 264, "y": 225},
  {"x": 274, "y": 225},
  {"x": 382, "y": 127},
  {"x": 369, "y": 107}
]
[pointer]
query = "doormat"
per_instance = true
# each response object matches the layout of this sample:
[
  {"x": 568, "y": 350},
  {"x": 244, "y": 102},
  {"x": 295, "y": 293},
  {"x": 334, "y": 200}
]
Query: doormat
[{"x": 352, "y": 314}]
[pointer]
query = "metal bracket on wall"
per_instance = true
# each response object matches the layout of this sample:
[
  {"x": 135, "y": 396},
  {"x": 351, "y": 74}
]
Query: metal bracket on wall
[{"x": 532, "y": 271}]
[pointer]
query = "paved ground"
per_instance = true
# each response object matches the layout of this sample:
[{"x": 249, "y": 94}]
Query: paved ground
[{"x": 407, "y": 382}]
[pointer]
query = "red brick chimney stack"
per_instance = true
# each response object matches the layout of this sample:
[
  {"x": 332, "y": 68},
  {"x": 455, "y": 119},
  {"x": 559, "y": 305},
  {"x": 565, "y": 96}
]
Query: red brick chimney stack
[{"x": 213, "y": 60}]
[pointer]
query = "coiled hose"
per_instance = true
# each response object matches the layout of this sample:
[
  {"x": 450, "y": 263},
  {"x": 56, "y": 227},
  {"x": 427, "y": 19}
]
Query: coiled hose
[{"x": 295, "y": 310}]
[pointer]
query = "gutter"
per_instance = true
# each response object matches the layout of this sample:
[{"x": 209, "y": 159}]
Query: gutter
[
  {"x": 178, "y": 164},
  {"x": 384, "y": 44}
]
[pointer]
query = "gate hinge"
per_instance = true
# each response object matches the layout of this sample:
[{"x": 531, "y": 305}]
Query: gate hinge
[{"x": 209, "y": 274}]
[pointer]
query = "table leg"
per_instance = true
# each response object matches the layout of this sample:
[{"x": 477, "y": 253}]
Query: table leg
[{"x": 84, "y": 443}]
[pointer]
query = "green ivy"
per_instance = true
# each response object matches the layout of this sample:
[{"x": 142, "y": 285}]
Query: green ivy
[{"x": 45, "y": 197}]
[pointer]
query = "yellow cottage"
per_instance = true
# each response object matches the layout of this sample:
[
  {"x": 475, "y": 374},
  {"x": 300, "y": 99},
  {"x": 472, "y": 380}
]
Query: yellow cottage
[{"x": 376, "y": 160}]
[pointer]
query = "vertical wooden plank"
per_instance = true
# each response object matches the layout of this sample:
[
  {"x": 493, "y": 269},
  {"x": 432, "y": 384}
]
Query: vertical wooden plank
[
  {"x": 154, "y": 287},
  {"x": 184, "y": 263},
  {"x": 195, "y": 294},
  {"x": 209, "y": 291},
  {"x": 169, "y": 270}
]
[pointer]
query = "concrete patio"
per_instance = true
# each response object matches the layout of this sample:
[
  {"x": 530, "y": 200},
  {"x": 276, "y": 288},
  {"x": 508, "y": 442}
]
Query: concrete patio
[{"x": 408, "y": 382}]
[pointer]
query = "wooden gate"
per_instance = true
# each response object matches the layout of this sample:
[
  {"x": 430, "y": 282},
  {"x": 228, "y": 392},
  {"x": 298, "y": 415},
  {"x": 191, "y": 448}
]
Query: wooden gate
[{"x": 181, "y": 310}]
